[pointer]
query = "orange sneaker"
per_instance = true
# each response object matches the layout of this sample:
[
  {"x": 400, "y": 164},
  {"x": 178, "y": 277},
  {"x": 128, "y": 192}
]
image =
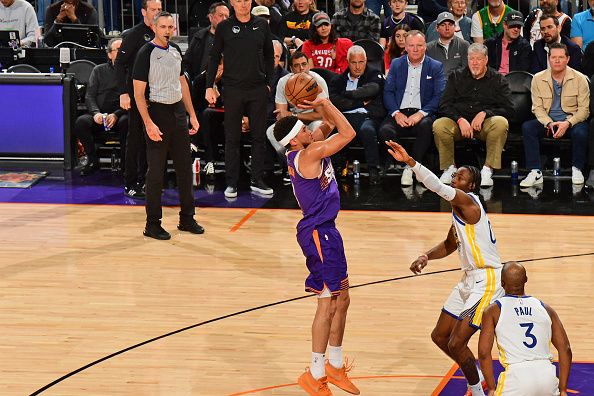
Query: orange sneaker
[
  {"x": 485, "y": 389},
  {"x": 340, "y": 378},
  {"x": 315, "y": 387}
]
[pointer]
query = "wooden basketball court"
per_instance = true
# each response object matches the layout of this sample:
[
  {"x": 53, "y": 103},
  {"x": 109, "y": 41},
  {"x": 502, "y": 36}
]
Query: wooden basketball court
[{"x": 82, "y": 292}]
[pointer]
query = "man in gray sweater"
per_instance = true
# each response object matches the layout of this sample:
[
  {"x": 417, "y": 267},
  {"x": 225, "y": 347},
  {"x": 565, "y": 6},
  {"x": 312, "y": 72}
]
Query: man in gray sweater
[
  {"x": 19, "y": 15},
  {"x": 449, "y": 49}
]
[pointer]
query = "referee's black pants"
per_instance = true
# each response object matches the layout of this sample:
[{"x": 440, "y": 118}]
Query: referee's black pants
[
  {"x": 253, "y": 103},
  {"x": 171, "y": 120},
  {"x": 135, "y": 153}
]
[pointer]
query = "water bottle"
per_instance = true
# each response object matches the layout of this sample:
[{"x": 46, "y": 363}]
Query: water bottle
[
  {"x": 51, "y": 69},
  {"x": 514, "y": 171},
  {"x": 105, "y": 126},
  {"x": 196, "y": 166},
  {"x": 356, "y": 169},
  {"x": 556, "y": 166}
]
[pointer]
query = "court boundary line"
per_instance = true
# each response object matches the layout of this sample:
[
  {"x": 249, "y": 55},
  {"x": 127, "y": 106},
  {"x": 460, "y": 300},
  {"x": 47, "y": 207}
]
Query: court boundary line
[
  {"x": 238, "y": 313},
  {"x": 245, "y": 218},
  {"x": 363, "y": 377}
]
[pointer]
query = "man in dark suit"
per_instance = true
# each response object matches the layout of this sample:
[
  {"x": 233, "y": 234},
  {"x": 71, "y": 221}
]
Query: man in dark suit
[
  {"x": 413, "y": 88},
  {"x": 551, "y": 33},
  {"x": 357, "y": 93}
]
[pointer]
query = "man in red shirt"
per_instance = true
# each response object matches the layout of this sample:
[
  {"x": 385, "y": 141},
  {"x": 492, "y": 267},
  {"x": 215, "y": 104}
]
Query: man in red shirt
[{"x": 324, "y": 49}]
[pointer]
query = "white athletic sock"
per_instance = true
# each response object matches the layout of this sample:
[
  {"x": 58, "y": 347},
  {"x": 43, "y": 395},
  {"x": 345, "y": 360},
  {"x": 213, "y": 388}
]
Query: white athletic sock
[
  {"x": 477, "y": 389},
  {"x": 317, "y": 369},
  {"x": 335, "y": 356}
]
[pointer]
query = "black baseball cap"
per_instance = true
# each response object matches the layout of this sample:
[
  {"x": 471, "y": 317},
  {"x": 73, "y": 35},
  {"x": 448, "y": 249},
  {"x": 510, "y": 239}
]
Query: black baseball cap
[{"x": 514, "y": 18}]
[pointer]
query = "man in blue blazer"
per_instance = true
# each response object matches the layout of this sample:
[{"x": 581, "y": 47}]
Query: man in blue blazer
[{"x": 411, "y": 95}]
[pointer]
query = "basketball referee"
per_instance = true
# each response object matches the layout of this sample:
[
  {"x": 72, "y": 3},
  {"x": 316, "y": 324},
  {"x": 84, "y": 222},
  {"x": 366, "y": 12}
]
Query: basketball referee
[
  {"x": 158, "y": 66},
  {"x": 245, "y": 42}
]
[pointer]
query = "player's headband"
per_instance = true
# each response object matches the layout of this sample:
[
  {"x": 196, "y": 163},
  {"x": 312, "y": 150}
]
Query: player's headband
[{"x": 292, "y": 133}]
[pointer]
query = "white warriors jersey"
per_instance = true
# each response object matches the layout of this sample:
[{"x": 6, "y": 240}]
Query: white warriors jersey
[
  {"x": 523, "y": 331},
  {"x": 476, "y": 242}
]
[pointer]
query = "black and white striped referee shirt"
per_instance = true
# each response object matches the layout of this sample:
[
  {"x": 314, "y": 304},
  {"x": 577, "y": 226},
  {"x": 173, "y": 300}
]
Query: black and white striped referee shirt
[{"x": 160, "y": 67}]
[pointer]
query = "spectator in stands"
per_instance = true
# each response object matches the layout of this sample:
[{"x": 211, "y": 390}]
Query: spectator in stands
[
  {"x": 462, "y": 22},
  {"x": 448, "y": 48},
  {"x": 264, "y": 12},
  {"x": 590, "y": 181},
  {"x": 560, "y": 100},
  {"x": 414, "y": 85},
  {"x": 488, "y": 21},
  {"x": 19, "y": 15},
  {"x": 430, "y": 9},
  {"x": 475, "y": 104},
  {"x": 399, "y": 17},
  {"x": 275, "y": 11},
  {"x": 102, "y": 98},
  {"x": 357, "y": 93},
  {"x": 396, "y": 46},
  {"x": 509, "y": 51},
  {"x": 67, "y": 11},
  {"x": 357, "y": 22},
  {"x": 549, "y": 26},
  {"x": 294, "y": 26},
  {"x": 196, "y": 56},
  {"x": 299, "y": 63},
  {"x": 547, "y": 7},
  {"x": 377, "y": 5},
  {"x": 582, "y": 27},
  {"x": 279, "y": 72},
  {"x": 324, "y": 49},
  {"x": 133, "y": 39},
  {"x": 588, "y": 60}
]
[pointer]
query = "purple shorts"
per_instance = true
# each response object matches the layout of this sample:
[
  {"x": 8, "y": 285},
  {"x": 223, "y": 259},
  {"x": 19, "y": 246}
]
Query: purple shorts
[{"x": 324, "y": 256}]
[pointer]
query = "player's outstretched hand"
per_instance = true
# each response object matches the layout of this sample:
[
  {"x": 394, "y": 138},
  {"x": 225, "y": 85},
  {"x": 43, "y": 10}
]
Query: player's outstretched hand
[
  {"x": 397, "y": 151},
  {"x": 417, "y": 266}
]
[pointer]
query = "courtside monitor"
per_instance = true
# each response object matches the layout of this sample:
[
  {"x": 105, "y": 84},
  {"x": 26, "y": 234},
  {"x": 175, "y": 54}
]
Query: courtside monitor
[{"x": 87, "y": 35}]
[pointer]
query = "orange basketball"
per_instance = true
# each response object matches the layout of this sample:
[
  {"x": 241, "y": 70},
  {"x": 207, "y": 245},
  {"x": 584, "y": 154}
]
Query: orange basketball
[{"x": 300, "y": 87}]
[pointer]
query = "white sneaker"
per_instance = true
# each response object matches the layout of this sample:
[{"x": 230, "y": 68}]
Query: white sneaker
[
  {"x": 486, "y": 179},
  {"x": 231, "y": 192},
  {"x": 577, "y": 177},
  {"x": 209, "y": 169},
  {"x": 533, "y": 178},
  {"x": 407, "y": 177},
  {"x": 446, "y": 176}
]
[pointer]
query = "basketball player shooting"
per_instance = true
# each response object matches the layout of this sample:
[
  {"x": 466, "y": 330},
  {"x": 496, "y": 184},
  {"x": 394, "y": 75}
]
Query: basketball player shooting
[
  {"x": 472, "y": 236},
  {"x": 316, "y": 190}
]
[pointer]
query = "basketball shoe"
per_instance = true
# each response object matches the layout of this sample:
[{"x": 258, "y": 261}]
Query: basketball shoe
[
  {"x": 340, "y": 378},
  {"x": 315, "y": 387}
]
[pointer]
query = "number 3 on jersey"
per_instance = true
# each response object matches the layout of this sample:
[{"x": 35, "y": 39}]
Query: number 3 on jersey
[{"x": 529, "y": 327}]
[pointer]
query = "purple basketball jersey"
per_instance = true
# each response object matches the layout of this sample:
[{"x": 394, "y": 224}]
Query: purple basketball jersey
[{"x": 318, "y": 198}]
